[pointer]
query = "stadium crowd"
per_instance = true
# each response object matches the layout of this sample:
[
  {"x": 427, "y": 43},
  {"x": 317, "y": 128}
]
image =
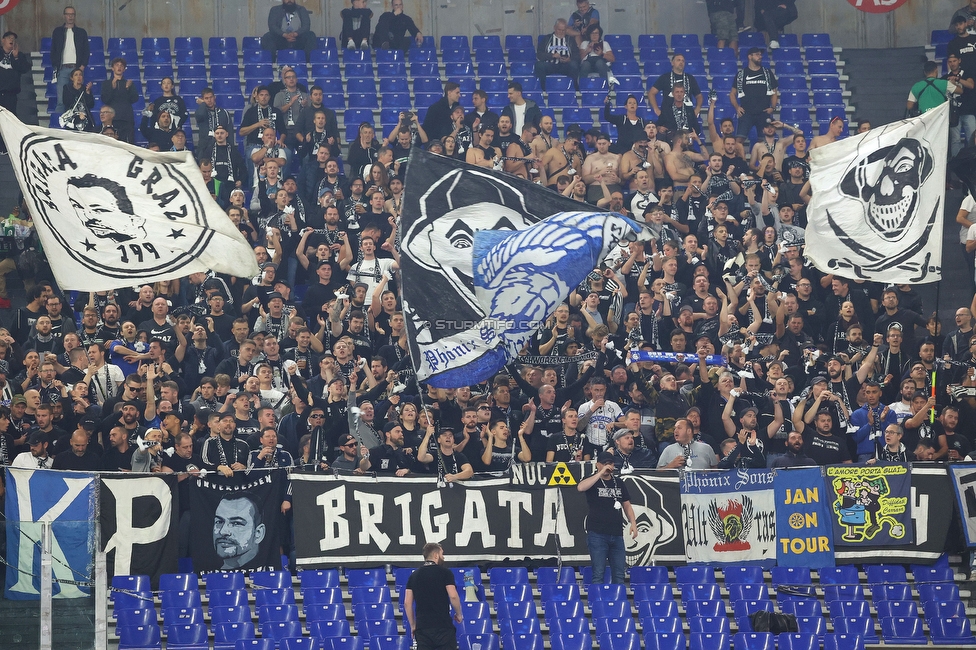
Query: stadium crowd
[{"x": 308, "y": 363}]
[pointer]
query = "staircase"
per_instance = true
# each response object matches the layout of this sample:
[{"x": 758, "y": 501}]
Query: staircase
[
  {"x": 73, "y": 624},
  {"x": 880, "y": 80}
]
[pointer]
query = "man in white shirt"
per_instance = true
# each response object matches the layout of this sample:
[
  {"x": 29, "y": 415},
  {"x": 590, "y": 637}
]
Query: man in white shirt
[
  {"x": 596, "y": 415},
  {"x": 37, "y": 457},
  {"x": 966, "y": 217},
  {"x": 69, "y": 50}
]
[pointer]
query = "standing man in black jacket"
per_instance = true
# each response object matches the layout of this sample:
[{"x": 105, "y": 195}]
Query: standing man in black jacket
[
  {"x": 120, "y": 93},
  {"x": 13, "y": 64},
  {"x": 69, "y": 50},
  {"x": 437, "y": 122}
]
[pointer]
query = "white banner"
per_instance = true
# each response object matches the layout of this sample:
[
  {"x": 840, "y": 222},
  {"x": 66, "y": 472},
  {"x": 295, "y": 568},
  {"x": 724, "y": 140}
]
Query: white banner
[
  {"x": 110, "y": 214},
  {"x": 729, "y": 516},
  {"x": 878, "y": 199},
  {"x": 964, "y": 481}
]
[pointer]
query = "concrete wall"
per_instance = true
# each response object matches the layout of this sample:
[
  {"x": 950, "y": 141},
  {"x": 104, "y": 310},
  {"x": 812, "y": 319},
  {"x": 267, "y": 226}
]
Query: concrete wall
[{"x": 909, "y": 25}]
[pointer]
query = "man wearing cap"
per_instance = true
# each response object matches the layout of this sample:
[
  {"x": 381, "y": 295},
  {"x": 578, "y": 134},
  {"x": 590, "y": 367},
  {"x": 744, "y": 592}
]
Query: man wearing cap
[
  {"x": 390, "y": 457},
  {"x": 749, "y": 448},
  {"x": 228, "y": 164},
  {"x": 629, "y": 455},
  {"x": 226, "y": 453},
  {"x": 606, "y": 497},
  {"x": 37, "y": 457},
  {"x": 447, "y": 462},
  {"x": 963, "y": 42},
  {"x": 754, "y": 94},
  {"x": 348, "y": 458}
]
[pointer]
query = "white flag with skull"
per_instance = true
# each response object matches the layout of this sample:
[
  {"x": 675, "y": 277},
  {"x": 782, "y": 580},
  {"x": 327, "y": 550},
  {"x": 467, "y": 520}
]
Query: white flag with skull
[{"x": 878, "y": 198}]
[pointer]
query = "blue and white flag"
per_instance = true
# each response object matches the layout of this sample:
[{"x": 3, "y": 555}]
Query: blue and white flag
[
  {"x": 110, "y": 214},
  {"x": 67, "y": 501},
  {"x": 486, "y": 258},
  {"x": 878, "y": 199}
]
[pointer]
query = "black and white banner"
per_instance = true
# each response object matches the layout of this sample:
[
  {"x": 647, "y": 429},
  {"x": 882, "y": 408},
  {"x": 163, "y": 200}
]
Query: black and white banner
[
  {"x": 486, "y": 258},
  {"x": 234, "y": 522},
  {"x": 964, "y": 482},
  {"x": 365, "y": 521},
  {"x": 110, "y": 214},
  {"x": 931, "y": 517},
  {"x": 139, "y": 523},
  {"x": 878, "y": 199}
]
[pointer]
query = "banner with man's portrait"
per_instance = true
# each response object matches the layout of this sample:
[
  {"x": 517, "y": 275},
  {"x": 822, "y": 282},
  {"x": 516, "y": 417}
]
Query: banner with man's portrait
[{"x": 234, "y": 522}]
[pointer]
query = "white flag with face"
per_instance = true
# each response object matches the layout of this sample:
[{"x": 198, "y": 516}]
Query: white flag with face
[
  {"x": 111, "y": 215},
  {"x": 878, "y": 198}
]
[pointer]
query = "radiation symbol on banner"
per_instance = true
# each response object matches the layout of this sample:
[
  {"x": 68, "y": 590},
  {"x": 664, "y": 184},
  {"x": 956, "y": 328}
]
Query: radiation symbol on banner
[{"x": 562, "y": 476}]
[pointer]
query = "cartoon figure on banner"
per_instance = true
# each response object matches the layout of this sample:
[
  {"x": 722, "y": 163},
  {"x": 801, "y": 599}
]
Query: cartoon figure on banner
[
  {"x": 864, "y": 508},
  {"x": 887, "y": 181},
  {"x": 655, "y": 527},
  {"x": 731, "y": 524}
]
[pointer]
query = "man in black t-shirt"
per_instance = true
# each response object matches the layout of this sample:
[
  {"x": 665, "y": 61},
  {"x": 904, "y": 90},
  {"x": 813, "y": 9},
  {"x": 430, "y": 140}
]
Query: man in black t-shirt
[
  {"x": 753, "y": 95},
  {"x": 606, "y": 496},
  {"x": 963, "y": 43},
  {"x": 822, "y": 445},
  {"x": 432, "y": 588}
]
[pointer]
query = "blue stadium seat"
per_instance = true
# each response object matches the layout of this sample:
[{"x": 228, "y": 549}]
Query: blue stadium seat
[
  {"x": 222, "y": 43},
  {"x": 427, "y": 85},
  {"x": 185, "y": 598},
  {"x": 745, "y": 608},
  {"x": 747, "y": 592},
  {"x": 390, "y": 642},
  {"x": 335, "y": 101},
  {"x": 821, "y": 68},
  {"x": 937, "y": 591},
  {"x": 494, "y": 84},
  {"x": 559, "y": 592},
  {"x": 226, "y": 635},
  {"x": 529, "y": 84},
  {"x": 615, "y": 625},
  {"x": 315, "y": 611},
  {"x": 300, "y": 643},
  {"x": 652, "y": 592},
  {"x": 329, "y": 83},
  {"x": 593, "y": 84},
  {"x": 849, "y": 608},
  {"x": 390, "y": 56},
  {"x": 475, "y": 626},
  {"x": 791, "y": 83},
  {"x": 659, "y": 624},
  {"x": 523, "y": 641},
  {"x": 184, "y": 43},
  {"x": 620, "y": 641},
  {"x": 324, "y": 56},
  {"x": 863, "y": 626},
  {"x": 656, "y": 608},
  {"x": 843, "y": 592},
  {"x": 397, "y": 102},
  {"x": 568, "y": 625},
  {"x": 258, "y": 72},
  {"x": 795, "y": 98},
  {"x": 694, "y": 574},
  {"x": 723, "y": 68},
  {"x": 664, "y": 641},
  {"x": 891, "y": 592},
  {"x": 742, "y": 575},
  {"x": 221, "y": 57},
  {"x": 136, "y": 583},
  {"x": 840, "y": 641},
  {"x": 514, "y": 626},
  {"x": 491, "y": 69},
  {"x": 225, "y": 71},
  {"x": 475, "y": 573},
  {"x": 256, "y": 644},
  {"x": 620, "y": 42},
  {"x": 226, "y": 87},
  {"x": 709, "y": 641},
  {"x": 260, "y": 56},
  {"x": 563, "y": 609},
  {"x": 562, "y": 99},
  {"x": 356, "y": 70},
  {"x": 652, "y": 40},
  {"x": 428, "y": 54},
  {"x": 521, "y": 69},
  {"x": 381, "y": 627},
  {"x": 475, "y": 609},
  {"x": 943, "y": 608},
  {"x": 712, "y": 608},
  {"x": 553, "y": 575},
  {"x": 499, "y": 576},
  {"x": 655, "y": 575},
  {"x": 610, "y": 608},
  {"x": 699, "y": 591},
  {"x": 515, "y": 609},
  {"x": 277, "y": 613},
  {"x": 715, "y": 54},
  {"x": 709, "y": 624},
  {"x": 571, "y": 642},
  {"x": 467, "y": 86},
  {"x": 454, "y": 42},
  {"x": 329, "y": 629},
  {"x": 797, "y": 641},
  {"x": 950, "y": 631},
  {"x": 373, "y": 611},
  {"x": 139, "y": 637},
  {"x": 901, "y": 630},
  {"x": 606, "y": 591},
  {"x": 749, "y": 40},
  {"x": 490, "y": 55},
  {"x": 482, "y": 42},
  {"x": 819, "y": 54},
  {"x": 191, "y": 71},
  {"x": 134, "y": 600},
  {"x": 157, "y": 57},
  {"x": 655, "y": 55},
  {"x": 790, "y": 68},
  {"x": 230, "y": 613},
  {"x": 815, "y": 40},
  {"x": 188, "y": 636},
  {"x": 284, "y": 596},
  {"x": 393, "y": 69},
  {"x": 558, "y": 82},
  {"x": 278, "y": 630},
  {"x": 348, "y": 643},
  {"x": 95, "y": 43},
  {"x": 825, "y": 83},
  {"x": 793, "y": 114},
  {"x": 517, "y": 40},
  {"x": 478, "y": 642},
  {"x": 813, "y": 624},
  {"x": 131, "y": 617},
  {"x": 513, "y": 592},
  {"x": 363, "y": 100},
  {"x": 455, "y": 55},
  {"x": 361, "y": 86},
  {"x": 684, "y": 41},
  {"x": 357, "y": 56},
  {"x": 121, "y": 43},
  {"x": 801, "y": 607},
  {"x": 582, "y": 116},
  {"x": 754, "y": 641}
]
